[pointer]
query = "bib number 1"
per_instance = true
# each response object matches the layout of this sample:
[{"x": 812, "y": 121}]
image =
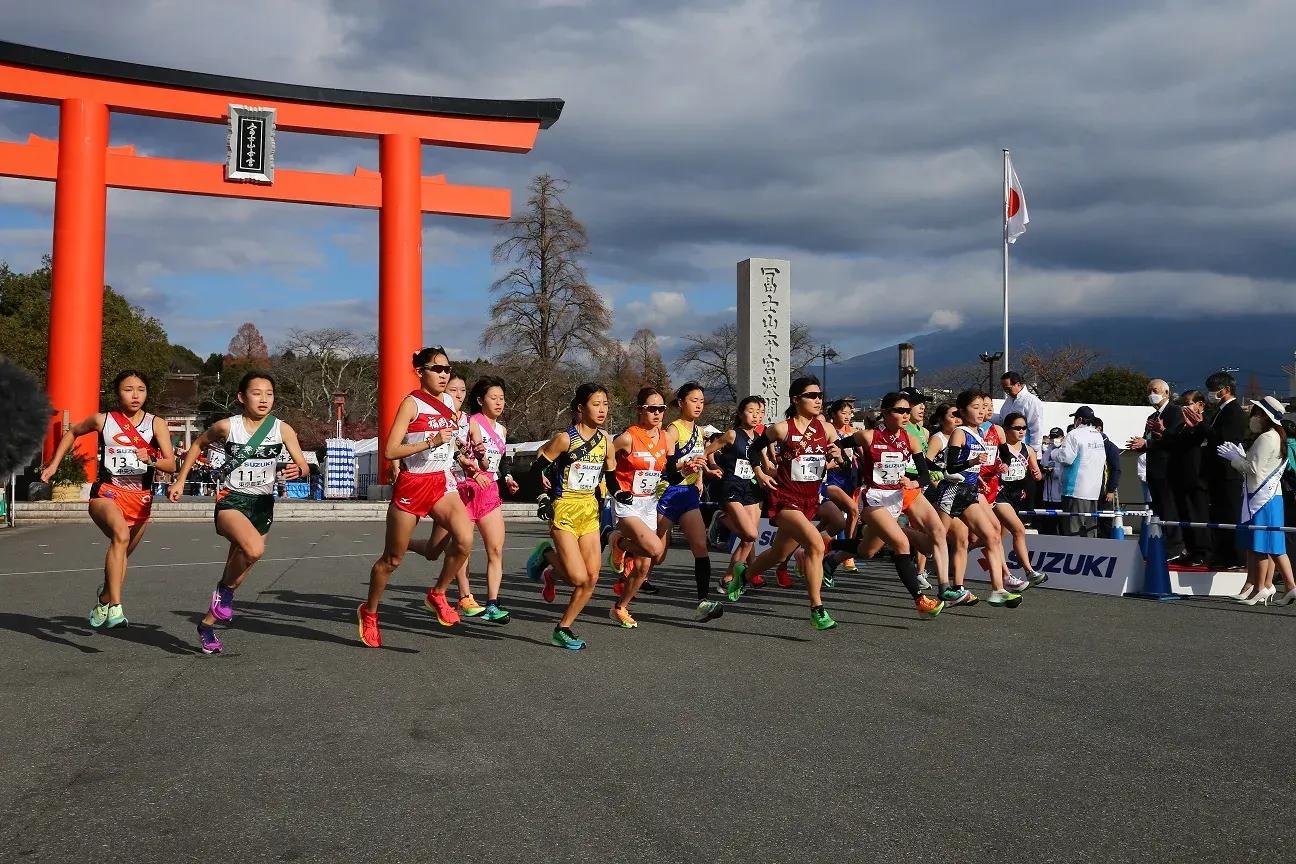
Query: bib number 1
[{"x": 808, "y": 468}]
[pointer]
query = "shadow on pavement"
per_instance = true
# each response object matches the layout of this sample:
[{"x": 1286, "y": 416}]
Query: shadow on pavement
[{"x": 48, "y": 629}]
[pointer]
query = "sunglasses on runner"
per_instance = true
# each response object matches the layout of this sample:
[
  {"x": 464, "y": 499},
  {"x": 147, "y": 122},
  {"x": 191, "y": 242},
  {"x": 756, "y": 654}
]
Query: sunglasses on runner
[
  {"x": 1017, "y": 428},
  {"x": 900, "y": 410},
  {"x": 816, "y": 395},
  {"x": 652, "y": 409},
  {"x": 438, "y": 368}
]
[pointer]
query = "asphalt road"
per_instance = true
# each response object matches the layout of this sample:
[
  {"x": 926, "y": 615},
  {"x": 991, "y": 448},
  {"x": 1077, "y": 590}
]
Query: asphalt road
[{"x": 1075, "y": 728}]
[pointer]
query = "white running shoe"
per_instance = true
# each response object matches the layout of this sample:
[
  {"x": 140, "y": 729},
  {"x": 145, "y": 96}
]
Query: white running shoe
[
  {"x": 923, "y": 583},
  {"x": 1015, "y": 585}
]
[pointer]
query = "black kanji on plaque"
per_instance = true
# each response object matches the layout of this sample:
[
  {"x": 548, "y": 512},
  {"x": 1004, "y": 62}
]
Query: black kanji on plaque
[{"x": 251, "y": 144}]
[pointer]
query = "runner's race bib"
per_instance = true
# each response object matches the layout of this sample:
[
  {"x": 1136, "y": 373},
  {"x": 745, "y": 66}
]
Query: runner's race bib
[
  {"x": 492, "y": 463},
  {"x": 645, "y": 483},
  {"x": 1016, "y": 471},
  {"x": 123, "y": 462},
  {"x": 583, "y": 476},
  {"x": 808, "y": 468},
  {"x": 743, "y": 470},
  {"x": 890, "y": 470},
  {"x": 253, "y": 472}
]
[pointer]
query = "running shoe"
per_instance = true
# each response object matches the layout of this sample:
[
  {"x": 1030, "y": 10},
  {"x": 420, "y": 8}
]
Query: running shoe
[
  {"x": 616, "y": 557},
  {"x": 207, "y": 639},
  {"x": 496, "y": 613},
  {"x": 99, "y": 615},
  {"x": 649, "y": 588},
  {"x": 437, "y": 603},
  {"x": 783, "y": 577},
  {"x": 958, "y": 596},
  {"x": 565, "y": 638},
  {"x": 734, "y": 589},
  {"x": 830, "y": 564},
  {"x": 756, "y": 581},
  {"x": 469, "y": 607},
  {"x": 848, "y": 566},
  {"x": 821, "y": 619},
  {"x": 1005, "y": 598},
  {"x": 924, "y": 582},
  {"x": 549, "y": 592},
  {"x": 928, "y": 607},
  {"x": 708, "y": 610},
  {"x": 1037, "y": 579},
  {"x": 536, "y": 561},
  {"x": 713, "y": 532},
  {"x": 222, "y": 604},
  {"x": 621, "y": 615},
  {"x": 116, "y": 617},
  {"x": 1015, "y": 585},
  {"x": 368, "y": 624},
  {"x": 618, "y": 586}
]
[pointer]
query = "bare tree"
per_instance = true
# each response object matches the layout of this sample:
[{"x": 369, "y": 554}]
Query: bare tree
[
  {"x": 711, "y": 359},
  {"x": 957, "y": 378},
  {"x": 646, "y": 361},
  {"x": 248, "y": 344},
  {"x": 327, "y": 361},
  {"x": 1050, "y": 372},
  {"x": 545, "y": 309}
]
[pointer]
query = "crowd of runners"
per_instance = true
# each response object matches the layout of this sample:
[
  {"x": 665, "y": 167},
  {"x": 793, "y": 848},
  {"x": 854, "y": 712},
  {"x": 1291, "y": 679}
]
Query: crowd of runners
[{"x": 928, "y": 489}]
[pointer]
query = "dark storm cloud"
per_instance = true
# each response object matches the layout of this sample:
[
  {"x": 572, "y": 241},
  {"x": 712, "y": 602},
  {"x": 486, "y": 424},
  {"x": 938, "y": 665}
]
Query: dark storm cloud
[{"x": 860, "y": 139}]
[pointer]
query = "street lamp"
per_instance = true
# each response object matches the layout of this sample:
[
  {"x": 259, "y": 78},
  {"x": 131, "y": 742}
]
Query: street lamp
[
  {"x": 990, "y": 359},
  {"x": 339, "y": 403},
  {"x": 825, "y": 354}
]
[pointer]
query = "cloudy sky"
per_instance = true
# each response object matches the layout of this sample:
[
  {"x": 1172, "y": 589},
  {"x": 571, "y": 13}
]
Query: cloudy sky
[{"x": 861, "y": 140}]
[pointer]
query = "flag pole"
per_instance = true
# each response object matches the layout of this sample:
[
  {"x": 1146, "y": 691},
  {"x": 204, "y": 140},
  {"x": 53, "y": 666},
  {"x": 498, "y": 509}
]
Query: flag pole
[{"x": 1005, "y": 260}]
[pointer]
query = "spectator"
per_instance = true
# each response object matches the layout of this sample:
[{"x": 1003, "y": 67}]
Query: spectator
[
  {"x": 1019, "y": 399},
  {"x": 1111, "y": 481},
  {"x": 1187, "y": 482},
  {"x": 1157, "y": 444},
  {"x": 1228, "y": 426},
  {"x": 1084, "y": 454},
  {"x": 1052, "y": 485},
  {"x": 1261, "y": 468},
  {"x": 1289, "y": 476}
]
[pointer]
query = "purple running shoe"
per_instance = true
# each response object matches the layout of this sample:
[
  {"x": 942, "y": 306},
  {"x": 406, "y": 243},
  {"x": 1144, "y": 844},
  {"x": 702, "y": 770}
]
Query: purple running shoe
[
  {"x": 207, "y": 638},
  {"x": 222, "y": 604}
]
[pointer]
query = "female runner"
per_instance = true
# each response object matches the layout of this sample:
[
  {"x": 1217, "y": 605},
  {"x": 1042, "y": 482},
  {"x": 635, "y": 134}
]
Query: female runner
[
  {"x": 944, "y": 421},
  {"x": 571, "y": 465},
  {"x": 888, "y": 492},
  {"x": 805, "y": 445},
  {"x": 740, "y": 494},
  {"x": 681, "y": 503},
  {"x": 1016, "y": 461},
  {"x": 252, "y": 443},
  {"x": 640, "y": 458},
  {"x": 960, "y": 498},
  {"x": 423, "y": 437},
  {"x": 132, "y": 443},
  {"x": 842, "y": 478}
]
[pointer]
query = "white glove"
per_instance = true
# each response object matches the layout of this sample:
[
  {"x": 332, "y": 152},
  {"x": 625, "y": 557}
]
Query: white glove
[{"x": 1231, "y": 451}]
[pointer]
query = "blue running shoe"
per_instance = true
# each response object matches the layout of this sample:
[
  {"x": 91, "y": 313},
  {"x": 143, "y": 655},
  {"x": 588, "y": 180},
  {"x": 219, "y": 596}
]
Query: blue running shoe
[
  {"x": 565, "y": 638},
  {"x": 536, "y": 563}
]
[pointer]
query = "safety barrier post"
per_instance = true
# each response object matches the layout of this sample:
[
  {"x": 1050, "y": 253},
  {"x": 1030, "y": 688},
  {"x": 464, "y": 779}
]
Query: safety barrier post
[{"x": 1156, "y": 572}]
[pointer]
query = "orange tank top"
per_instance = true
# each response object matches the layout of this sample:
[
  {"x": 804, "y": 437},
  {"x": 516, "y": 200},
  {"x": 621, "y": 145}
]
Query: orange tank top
[{"x": 640, "y": 470}]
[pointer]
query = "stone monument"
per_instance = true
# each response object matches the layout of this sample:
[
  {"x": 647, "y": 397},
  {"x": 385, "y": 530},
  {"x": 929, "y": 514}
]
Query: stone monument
[{"x": 764, "y": 332}]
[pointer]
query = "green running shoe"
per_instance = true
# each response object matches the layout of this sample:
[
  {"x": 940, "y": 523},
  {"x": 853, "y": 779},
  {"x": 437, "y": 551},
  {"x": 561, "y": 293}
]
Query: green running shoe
[
  {"x": 1004, "y": 598},
  {"x": 830, "y": 563},
  {"x": 536, "y": 562},
  {"x": 116, "y": 617},
  {"x": 565, "y": 638},
  {"x": 99, "y": 615},
  {"x": 822, "y": 620},
  {"x": 708, "y": 610},
  {"x": 496, "y": 613},
  {"x": 734, "y": 589}
]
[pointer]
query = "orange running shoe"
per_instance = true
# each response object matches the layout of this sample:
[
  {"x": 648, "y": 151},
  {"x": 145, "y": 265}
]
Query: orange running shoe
[
  {"x": 622, "y": 617},
  {"x": 928, "y": 607},
  {"x": 437, "y": 603},
  {"x": 616, "y": 557},
  {"x": 368, "y": 621}
]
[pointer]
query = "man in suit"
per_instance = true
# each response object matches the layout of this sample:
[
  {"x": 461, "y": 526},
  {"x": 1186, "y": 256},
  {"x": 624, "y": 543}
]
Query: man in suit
[
  {"x": 1222, "y": 479},
  {"x": 1187, "y": 480},
  {"x": 1159, "y": 434}
]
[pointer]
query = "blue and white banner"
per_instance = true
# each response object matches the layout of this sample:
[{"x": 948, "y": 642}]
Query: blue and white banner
[{"x": 1096, "y": 566}]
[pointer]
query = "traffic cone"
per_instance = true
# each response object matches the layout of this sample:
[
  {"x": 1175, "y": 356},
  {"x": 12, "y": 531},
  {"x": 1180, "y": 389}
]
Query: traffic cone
[{"x": 1156, "y": 573}]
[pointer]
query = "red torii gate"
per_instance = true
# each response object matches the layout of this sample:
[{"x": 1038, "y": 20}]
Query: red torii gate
[{"x": 83, "y": 166}]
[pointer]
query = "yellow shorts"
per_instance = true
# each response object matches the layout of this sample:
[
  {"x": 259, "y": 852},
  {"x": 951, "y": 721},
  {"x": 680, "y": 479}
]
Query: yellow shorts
[{"x": 577, "y": 516}]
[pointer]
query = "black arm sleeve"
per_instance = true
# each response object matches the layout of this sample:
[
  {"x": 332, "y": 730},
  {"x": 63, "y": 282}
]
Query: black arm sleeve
[
  {"x": 925, "y": 467},
  {"x": 757, "y": 446},
  {"x": 848, "y": 442},
  {"x": 540, "y": 468},
  {"x": 952, "y": 465}
]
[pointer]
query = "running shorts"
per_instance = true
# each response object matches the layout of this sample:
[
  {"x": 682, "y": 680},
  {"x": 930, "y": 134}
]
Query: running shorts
[
  {"x": 890, "y": 499},
  {"x": 135, "y": 504},
  {"x": 781, "y": 499},
  {"x": 1013, "y": 494},
  {"x": 419, "y": 493},
  {"x": 678, "y": 500},
  {"x": 742, "y": 492},
  {"x": 643, "y": 508},
  {"x": 577, "y": 516},
  {"x": 478, "y": 501},
  {"x": 259, "y": 509},
  {"x": 841, "y": 479},
  {"x": 957, "y": 497}
]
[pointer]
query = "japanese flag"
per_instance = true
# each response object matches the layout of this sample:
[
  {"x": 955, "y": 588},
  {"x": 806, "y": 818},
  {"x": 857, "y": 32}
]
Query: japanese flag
[{"x": 1015, "y": 216}]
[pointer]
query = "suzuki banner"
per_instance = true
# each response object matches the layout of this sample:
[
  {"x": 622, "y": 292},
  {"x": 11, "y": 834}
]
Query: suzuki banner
[{"x": 1097, "y": 566}]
